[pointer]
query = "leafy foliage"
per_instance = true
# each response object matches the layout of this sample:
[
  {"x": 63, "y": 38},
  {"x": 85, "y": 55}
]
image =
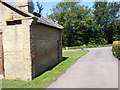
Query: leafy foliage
[
  {"x": 76, "y": 20},
  {"x": 116, "y": 49},
  {"x": 83, "y": 25},
  {"x": 106, "y": 14}
]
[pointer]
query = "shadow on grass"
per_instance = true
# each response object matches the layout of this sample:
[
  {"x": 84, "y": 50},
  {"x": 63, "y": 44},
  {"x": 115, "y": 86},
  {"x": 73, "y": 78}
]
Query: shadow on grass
[
  {"x": 50, "y": 68},
  {"x": 63, "y": 59}
]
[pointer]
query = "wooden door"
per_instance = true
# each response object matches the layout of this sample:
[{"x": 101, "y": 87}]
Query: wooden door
[{"x": 1, "y": 56}]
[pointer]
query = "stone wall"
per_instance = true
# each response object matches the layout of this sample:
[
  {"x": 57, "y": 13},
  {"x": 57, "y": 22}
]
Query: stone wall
[
  {"x": 44, "y": 48},
  {"x": 1, "y": 13},
  {"x": 16, "y": 46},
  {"x": 7, "y": 13},
  {"x": 29, "y": 50},
  {"x": 17, "y": 56},
  {"x": 1, "y": 17}
]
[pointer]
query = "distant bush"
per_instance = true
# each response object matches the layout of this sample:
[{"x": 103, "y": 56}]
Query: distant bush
[
  {"x": 116, "y": 49},
  {"x": 86, "y": 46}
]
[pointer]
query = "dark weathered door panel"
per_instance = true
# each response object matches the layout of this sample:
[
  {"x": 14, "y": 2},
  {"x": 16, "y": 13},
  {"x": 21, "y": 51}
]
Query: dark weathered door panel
[{"x": 1, "y": 55}]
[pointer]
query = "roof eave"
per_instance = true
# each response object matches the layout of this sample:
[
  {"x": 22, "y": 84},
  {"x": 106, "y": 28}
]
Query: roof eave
[
  {"x": 16, "y": 8},
  {"x": 50, "y": 26}
]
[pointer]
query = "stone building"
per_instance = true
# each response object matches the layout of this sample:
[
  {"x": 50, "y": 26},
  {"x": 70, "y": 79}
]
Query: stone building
[{"x": 29, "y": 45}]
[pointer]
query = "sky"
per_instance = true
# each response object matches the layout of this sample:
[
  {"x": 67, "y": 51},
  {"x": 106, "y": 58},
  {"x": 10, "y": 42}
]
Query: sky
[{"x": 49, "y": 4}]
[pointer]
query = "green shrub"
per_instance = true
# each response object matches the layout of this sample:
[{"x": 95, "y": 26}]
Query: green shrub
[
  {"x": 98, "y": 41},
  {"x": 116, "y": 49}
]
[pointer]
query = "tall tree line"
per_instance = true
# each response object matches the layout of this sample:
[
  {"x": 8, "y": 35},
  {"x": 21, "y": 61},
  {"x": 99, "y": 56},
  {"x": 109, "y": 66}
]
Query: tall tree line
[{"x": 84, "y": 25}]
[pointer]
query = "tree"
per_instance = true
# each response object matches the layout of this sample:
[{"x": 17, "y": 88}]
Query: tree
[
  {"x": 39, "y": 9},
  {"x": 76, "y": 20},
  {"x": 105, "y": 14},
  {"x": 115, "y": 28},
  {"x": 85, "y": 26}
]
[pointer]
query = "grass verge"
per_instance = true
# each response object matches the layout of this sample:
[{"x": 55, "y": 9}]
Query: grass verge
[
  {"x": 49, "y": 76},
  {"x": 86, "y": 46},
  {"x": 0, "y": 84}
]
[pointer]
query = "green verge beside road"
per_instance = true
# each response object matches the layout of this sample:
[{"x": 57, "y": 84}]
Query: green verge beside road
[
  {"x": 0, "y": 84},
  {"x": 49, "y": 76},
  {"x": 86, "y": 46}
]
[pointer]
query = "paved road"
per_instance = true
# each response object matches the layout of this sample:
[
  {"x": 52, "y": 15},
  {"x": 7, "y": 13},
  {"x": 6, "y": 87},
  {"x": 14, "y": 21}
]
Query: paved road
[{"x": 97, "y": 69}]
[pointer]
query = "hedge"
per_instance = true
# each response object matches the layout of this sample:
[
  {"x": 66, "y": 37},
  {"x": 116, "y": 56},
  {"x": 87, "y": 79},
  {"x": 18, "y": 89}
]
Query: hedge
[{"x": 116, "y": 49}]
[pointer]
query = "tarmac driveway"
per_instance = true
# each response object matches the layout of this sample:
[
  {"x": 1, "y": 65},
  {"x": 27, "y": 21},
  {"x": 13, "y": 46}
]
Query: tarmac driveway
[{"x": 97, "y": 69}]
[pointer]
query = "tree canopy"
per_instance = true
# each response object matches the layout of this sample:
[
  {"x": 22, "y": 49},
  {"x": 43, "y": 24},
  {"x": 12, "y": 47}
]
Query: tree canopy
[{"x": 83, "y": 25}]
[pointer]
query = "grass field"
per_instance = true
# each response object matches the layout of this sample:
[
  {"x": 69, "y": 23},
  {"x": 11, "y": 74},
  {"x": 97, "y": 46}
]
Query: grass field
[
  {"x": 49, "y": 76},
  {"x": 87, "y": 46}
]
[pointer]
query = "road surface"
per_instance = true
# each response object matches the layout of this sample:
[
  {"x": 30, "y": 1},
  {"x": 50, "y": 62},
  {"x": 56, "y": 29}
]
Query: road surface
[{"x": 97, "y": 69}]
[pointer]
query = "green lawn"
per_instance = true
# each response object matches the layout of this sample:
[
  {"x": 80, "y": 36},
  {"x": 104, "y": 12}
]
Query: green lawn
[
  {"x": 87, "y": 46},
  {"x": 49, "y": 76}
]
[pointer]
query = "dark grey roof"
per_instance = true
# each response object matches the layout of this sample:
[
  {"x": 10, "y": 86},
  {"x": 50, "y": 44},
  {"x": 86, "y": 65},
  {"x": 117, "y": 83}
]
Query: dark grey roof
[{"x": 48, "y": 22}]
